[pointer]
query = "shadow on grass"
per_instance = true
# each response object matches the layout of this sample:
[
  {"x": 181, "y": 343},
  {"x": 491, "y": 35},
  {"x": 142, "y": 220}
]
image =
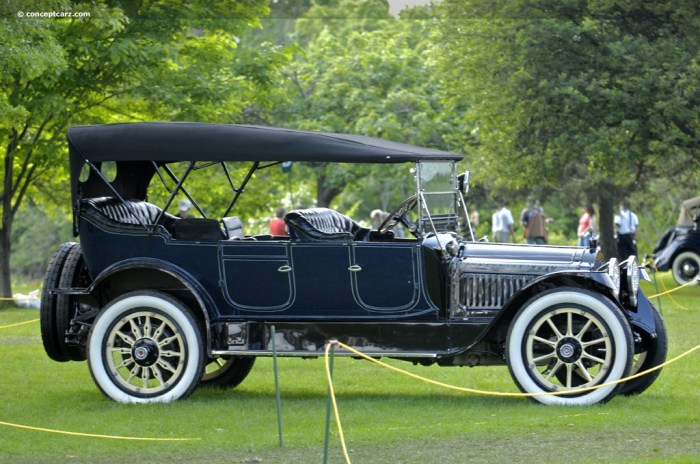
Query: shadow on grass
[{"x": 204, "y": 395}]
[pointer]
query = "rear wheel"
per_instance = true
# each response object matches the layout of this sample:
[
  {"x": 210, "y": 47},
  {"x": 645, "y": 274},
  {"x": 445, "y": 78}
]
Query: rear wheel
[
  {"x": 568, "y": 339},
  {"x": 226, "y": 371},
  {"x": 145, "y": 347},
  {"x": 686, "y": 267},
  {"x": 50, "y": 337}
]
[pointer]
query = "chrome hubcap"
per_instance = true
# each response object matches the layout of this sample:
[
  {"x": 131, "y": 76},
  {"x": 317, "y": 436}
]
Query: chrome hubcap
[
  {"x": 568, "y": 348},
  {"x": 145, "y": 352}
]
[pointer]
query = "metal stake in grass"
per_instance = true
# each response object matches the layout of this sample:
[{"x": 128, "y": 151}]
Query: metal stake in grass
[
  {"x": 329, "y": 403},
  {"x": 277, "y": 385}
]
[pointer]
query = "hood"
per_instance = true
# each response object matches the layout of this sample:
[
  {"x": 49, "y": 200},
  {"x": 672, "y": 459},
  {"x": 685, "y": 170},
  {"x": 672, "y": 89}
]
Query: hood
[{"x": 528, "y": 258}]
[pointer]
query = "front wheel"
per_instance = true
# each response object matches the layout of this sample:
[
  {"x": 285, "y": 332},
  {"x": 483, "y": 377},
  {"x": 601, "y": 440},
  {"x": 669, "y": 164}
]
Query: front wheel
[
  {"x": 567, "y": 339},
  {"x": 686, "y": 267},
  {"x": 145, "y": 347}
]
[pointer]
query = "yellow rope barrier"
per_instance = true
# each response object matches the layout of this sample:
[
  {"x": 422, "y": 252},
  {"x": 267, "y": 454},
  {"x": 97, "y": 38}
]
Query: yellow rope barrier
[
  {"x": 18, "y": 323},
  {"x": 666, "y": 292},
  {"x": 80, "y": 434},
  {"x": 92, "y": 435},
  {"x": 333, "y": 400},
  {"x": 469, "y": 390},
  {"x": 493, "y": 393}
]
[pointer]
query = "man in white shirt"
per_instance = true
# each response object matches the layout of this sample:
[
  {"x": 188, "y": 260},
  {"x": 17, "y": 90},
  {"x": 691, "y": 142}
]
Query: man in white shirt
[
  {"x": 502, "y": 225},
  {"x": 626, "y": 223}
]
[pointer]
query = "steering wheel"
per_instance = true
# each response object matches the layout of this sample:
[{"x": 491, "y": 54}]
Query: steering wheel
[{"x": 400, "y": 216}]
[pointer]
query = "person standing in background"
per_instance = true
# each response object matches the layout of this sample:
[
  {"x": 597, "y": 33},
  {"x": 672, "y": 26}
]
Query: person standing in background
[
  {"x": 585, "y": 224},
  {"x": 183, "y": 209},
  {"x": 502, "y": 225},
  {"x": 626, "y": 223},
  {"x": 277, "y": 226},
  {"x": 535, "y": 226}
]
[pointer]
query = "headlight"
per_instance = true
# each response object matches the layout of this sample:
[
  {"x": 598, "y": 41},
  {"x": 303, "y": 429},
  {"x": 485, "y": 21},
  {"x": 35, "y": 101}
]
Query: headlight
[
  {"x": 632, "y": 279},
  {"x": 614, "y": 274}
]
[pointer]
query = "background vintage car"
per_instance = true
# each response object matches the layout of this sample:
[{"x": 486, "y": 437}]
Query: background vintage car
[
  {"x": 159, "y": 304},
  {"x": 678, "y": 249}
]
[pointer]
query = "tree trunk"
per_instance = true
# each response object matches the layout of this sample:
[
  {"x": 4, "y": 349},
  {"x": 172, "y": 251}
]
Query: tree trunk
[
  {"x": 5, "y": 271},
  {"x": 325, "y": 193},
  {"x": 606, "y": 214},
  {"x": 6, "y": 219}
]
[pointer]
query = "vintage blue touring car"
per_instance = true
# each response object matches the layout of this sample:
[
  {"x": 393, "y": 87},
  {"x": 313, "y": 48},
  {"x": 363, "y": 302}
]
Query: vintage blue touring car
[{"x": 159, "y": 304}]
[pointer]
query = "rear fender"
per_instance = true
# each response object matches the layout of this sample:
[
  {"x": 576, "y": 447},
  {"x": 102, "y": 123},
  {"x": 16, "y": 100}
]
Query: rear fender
[{"x": 153, "y": 274}]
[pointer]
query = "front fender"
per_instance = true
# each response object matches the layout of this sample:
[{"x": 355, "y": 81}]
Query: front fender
[
  {"x": 597, "y": 281},
  {"x": 642, "y": 318},
  {"x": 496, "y": 329},
  {"x": 663, "y": 260}
]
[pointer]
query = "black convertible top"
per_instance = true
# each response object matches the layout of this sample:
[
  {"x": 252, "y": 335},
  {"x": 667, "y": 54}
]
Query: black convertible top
[{"x": 187, "y": 141}]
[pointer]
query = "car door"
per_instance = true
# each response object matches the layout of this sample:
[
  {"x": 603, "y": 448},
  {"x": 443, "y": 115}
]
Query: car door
[
  {"x": 385, "y": 275},
  {"x": 322, "y": 280},
  {"x": 257, "y": 276}
]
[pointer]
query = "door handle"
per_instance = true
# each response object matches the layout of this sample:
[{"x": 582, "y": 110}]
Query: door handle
[
  {"x": 285, "y": 268},
  {"x": 354, "y": 268}
]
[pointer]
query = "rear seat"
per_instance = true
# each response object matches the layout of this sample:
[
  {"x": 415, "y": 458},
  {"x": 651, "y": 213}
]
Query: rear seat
[
  {"x": 323, "y": 224},
  {"x": 134, "y": 212}
]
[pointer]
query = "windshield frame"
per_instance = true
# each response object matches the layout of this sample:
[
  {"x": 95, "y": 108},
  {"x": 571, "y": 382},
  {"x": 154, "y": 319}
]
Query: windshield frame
[{"x": 442, "y": 208}]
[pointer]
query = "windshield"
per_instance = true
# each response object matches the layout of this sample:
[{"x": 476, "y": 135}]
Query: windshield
[{"x": 440, "y": 202}]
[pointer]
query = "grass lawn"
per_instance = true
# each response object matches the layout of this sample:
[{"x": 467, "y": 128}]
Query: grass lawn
[{"x": 387, "y": 418}]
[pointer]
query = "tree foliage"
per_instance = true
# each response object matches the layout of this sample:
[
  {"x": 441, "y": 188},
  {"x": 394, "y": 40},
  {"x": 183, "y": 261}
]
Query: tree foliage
[
  {"x": 575, "y": 100},
  {"x": 126, "y": 61},
  {"x": 359, "y": 70},
  {"x": 595, "y": 99}
]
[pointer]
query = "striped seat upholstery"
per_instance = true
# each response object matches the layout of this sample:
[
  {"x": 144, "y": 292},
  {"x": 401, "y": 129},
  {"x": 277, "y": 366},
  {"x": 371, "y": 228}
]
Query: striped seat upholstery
[
  {"x": 323, "y": 224},
  {"x": 129, "y": 211}
]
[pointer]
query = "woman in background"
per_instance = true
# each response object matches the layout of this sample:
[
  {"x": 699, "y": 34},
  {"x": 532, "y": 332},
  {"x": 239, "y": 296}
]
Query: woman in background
[{"x": 585, "y": 223}]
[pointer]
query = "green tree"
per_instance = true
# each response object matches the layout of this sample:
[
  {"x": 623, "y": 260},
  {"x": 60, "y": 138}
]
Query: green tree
[
  {"x": 126, "y": 61},
  {"x": 592, "y": 98},
  {"x": 359, "y": 70}
]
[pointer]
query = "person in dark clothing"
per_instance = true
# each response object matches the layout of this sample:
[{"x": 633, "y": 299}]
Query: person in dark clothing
[{"x": 626, "y": 223}]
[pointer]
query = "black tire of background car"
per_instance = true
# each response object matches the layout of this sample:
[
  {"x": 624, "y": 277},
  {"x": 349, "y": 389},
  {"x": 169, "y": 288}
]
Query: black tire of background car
[
  {"x": 686, "y": 258},
  {"x": 171, "y": 345},
  {"x": 74, "y": 274},
  {"x": 652, "y": 357},
  {"x": 596, "y": 308},
  {"x": 226, "y": 371},
  {"x": 47, "y": 312}
]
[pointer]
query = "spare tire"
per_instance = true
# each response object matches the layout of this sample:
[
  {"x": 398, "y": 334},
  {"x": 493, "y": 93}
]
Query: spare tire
[
  {"x": 47, "y": 313},
  {"x": 73, "y": 274}
]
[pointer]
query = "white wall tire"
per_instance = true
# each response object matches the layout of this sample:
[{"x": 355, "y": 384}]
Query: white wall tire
[
  {"x": 686, "y": 267},
  {"x": 145, "y": 347},
  {"x": 566, "y": 339}
]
